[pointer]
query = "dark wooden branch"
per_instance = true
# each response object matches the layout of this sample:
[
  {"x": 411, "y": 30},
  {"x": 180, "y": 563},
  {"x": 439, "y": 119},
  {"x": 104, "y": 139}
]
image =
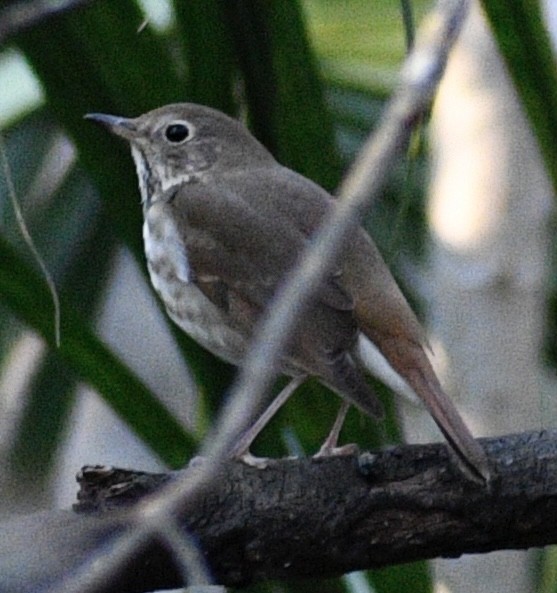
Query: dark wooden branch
[{"x": 307, "y": 518}]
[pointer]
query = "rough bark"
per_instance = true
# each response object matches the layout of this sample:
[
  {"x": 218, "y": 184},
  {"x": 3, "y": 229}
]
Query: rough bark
[{"x": 307, "y": 517}]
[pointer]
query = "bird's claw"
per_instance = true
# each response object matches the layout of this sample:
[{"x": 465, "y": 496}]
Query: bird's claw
[{"x": 331, "y": 451}]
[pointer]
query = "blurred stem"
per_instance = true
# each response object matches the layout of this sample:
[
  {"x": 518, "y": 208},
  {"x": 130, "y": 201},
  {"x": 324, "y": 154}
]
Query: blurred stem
[
  {"x": 51, "y": 394},
  {"x": 29, "y": 239},
  {"x": 408, "y": 21}
]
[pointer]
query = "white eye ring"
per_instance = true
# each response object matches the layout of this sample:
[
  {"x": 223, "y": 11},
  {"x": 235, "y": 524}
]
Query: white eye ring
[{"x": 178, "y": 132}]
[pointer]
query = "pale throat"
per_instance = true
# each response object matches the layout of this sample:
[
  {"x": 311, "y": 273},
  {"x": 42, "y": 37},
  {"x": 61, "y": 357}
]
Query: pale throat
[{"x": 155, "y": 179}]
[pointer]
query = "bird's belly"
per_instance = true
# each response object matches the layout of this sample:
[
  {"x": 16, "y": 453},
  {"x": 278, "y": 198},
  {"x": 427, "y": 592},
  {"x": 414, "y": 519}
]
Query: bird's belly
[
  {"x": 193, "y": 312},
  {"x": 186, "y": 304}
]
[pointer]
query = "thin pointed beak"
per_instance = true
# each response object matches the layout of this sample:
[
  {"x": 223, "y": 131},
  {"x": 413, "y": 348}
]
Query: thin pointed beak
[{"x": 121, "y": 126}]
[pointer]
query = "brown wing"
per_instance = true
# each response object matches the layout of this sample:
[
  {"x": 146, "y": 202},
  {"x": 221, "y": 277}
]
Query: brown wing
[
  {"x": 239, "y": 256},
  {"x": 228, "y": 240}
]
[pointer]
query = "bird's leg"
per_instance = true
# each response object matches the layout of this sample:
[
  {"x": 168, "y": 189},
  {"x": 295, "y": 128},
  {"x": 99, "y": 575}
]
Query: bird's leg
[
  {"x": 241, "y": 448},
  {"x": 329, "y": 446}
]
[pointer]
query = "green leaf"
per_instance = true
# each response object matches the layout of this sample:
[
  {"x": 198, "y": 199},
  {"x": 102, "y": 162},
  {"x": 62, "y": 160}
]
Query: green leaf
[
  {"x": 283, "y": 88},
  {"x": 415, "y": 577},
  {"x": 524, "y": 43},
  {"x": 211, "y": 67}
]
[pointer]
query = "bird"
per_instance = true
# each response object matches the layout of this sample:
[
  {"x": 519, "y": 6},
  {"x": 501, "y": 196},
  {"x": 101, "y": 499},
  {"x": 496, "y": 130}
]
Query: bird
[{"x": 224, "y": 223}]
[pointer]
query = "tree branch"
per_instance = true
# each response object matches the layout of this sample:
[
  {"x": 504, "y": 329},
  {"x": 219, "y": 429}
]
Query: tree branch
[{"x": 302, "y": 517}]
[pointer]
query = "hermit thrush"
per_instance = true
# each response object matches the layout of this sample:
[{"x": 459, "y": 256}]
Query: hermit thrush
[{"x": 224, "y": 222}]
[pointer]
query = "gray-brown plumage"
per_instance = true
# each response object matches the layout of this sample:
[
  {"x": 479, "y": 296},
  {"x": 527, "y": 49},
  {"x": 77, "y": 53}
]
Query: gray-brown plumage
[{"x": 224, "y": 222}]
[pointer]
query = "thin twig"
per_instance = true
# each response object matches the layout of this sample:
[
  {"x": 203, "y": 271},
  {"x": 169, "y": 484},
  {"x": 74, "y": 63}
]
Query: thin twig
[
  {"x": 408, "y": 21},
  {"x": 29, "y": 239}
]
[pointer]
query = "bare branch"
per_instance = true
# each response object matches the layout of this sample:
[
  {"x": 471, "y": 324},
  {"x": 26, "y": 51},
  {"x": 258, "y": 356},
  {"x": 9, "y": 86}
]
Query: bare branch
[{"x": 301, "y": 517}]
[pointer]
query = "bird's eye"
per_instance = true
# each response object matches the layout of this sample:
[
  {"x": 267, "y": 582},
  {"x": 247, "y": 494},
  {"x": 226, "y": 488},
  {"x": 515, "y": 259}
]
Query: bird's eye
[{"x": 177, "y": 132}]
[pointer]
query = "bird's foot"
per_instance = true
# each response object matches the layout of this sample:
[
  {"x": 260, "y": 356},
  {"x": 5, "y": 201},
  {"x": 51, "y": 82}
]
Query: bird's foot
[
  {"x": 196, "y": 461},
  {"x": 332, "y": 451},
  {"x": 253, "y": 461},
  {"x": 245, "y": 457}
]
